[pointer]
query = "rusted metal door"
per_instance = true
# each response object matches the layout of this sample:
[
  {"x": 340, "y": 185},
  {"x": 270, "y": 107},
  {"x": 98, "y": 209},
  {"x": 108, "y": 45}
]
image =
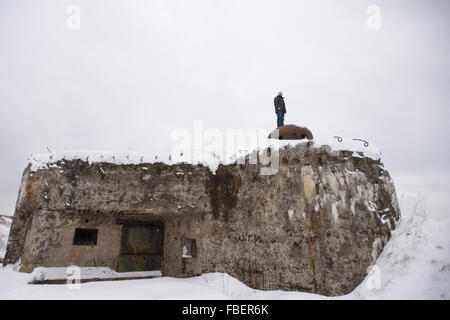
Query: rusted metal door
[{"x": 141, "y": 247}]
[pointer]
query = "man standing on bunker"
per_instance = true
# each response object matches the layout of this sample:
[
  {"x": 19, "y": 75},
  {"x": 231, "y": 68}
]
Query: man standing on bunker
[{"x": 280, "y": 109}]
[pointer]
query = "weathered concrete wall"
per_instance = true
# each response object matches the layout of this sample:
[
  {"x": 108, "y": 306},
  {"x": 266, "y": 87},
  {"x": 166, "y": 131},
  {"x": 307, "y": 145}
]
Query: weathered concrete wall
[
  {"x": 49, "y": 240},
  {"x": 316, "y": 225}
]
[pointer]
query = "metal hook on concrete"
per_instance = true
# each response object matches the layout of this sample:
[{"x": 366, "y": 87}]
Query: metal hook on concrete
[
  {"x": 51, "y": 153},
  {"x": 338, "y": 138},
  {"x": 366, "y": 144}
]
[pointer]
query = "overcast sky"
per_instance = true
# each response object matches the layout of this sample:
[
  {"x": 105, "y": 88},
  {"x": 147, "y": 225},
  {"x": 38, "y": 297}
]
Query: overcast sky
[{"x": 137, "y": 70}]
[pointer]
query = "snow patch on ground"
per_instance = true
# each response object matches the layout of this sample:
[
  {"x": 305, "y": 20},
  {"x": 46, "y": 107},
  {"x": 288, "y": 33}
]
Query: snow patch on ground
[
  {"x": 58, "y": 273},
  {"x": 414, "y": 264}
]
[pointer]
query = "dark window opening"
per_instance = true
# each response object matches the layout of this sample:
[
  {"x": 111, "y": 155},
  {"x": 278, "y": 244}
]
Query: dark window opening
[{"x": 85, "y": 237}]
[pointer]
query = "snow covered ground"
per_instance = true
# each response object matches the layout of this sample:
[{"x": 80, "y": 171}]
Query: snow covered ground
[{"x": 415, "y": 264}]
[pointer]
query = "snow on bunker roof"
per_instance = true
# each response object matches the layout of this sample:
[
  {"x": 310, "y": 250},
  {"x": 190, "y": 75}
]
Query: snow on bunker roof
[{"x": 210, "y": 157}]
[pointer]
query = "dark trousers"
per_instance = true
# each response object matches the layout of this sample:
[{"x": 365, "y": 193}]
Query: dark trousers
[{"x": 280, "y": 119}]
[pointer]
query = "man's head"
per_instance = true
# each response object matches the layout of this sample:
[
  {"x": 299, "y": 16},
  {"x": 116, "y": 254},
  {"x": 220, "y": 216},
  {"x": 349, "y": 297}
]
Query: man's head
[{"x": 280, "y": 94}]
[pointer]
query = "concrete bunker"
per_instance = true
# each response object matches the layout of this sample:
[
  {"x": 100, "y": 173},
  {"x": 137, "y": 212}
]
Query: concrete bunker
[{"x": 309, "y": 227}]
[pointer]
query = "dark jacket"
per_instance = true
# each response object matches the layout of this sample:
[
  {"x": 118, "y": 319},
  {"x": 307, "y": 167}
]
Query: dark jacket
[{"x": 279, "y": 103}]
